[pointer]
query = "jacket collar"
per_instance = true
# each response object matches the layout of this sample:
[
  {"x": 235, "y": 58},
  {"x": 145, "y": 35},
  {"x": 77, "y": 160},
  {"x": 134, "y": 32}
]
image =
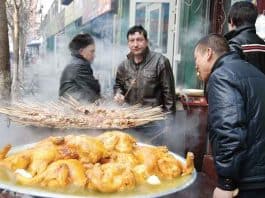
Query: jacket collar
[
  {"x": 243, "y": 28},
  {"x": 146, "y": 55},
  {"x": 80, "y": 61},
  {"x": 224, "y": 58},
  {"x": 219, "y": 63},
  {"x": 76, "y": 54}
]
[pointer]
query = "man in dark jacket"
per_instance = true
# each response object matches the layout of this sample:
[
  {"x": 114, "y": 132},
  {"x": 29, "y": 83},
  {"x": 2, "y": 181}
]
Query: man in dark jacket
[
  {"x": 145, "y": 77},
  {"x": 242, "y": 36},
  {"x": 236, "y": 114},
  {"x": 77, "y": 78}
]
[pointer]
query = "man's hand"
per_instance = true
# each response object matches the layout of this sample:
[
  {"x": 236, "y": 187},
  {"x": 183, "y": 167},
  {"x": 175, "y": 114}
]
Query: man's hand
[
  {"x": 219, "y": 193},
  {"x": 119, "y": 98}
]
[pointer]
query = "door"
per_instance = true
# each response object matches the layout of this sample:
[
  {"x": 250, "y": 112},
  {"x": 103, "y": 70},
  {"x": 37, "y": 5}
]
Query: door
[{"x": 157, "y": 17}]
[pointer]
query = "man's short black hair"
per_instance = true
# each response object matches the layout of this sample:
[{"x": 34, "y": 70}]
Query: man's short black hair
[
  {"x": 80, "y": 41},
  {"x": 243, "y": 13},
  {"x": 137, "y": 28},
  {"x": 214, "y": 41}
]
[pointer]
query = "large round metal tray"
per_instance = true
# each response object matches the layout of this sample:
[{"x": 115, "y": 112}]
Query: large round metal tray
[{"x": 146, "y": 191}]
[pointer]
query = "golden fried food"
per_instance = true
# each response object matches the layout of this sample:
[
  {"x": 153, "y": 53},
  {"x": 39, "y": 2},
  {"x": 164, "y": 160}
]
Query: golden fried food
[
  {"x": 89, "y": 149},
  {"x": 189, "y": 165},
  {"x": 47, "y": 151},
  {"x": 140, "y": 173},
  {"x": 58, "y": 174},
  {"x": 118, "y": 141},
  {"x": 4, "y": 151},
  {"x": 127, "y": 159},
  {"x": 168, "y": 167},
  {"x": 110, "y": 177},
  {"x": 17, "y": 161},
  {"x": 42, "y": 156},
  {"x": 158, "y": 161},
  {"x": 149, "y": 156},
  {"x": 110, "y": 162}
]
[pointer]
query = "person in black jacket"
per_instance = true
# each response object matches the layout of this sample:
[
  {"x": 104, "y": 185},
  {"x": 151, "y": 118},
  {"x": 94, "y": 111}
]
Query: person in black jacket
[
  {"x": 236, "y": 114},
  {"x": 77, "y": 78},
  {"x": 242, "y": 36},
  {"x": 144, "y": 77}
]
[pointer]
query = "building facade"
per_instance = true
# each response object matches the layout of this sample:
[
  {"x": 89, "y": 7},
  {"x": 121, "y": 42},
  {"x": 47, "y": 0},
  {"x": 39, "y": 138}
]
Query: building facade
[{"x": 173, "y": 28}]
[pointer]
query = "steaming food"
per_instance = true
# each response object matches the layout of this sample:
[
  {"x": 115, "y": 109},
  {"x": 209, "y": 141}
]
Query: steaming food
[
  {"x": 110, "y": 177},
  {"x": 59, "y": 173},
  {"x": 69, "y": 113},
  {"x": 117, "y": 141},
  {"x": 110, "y": 162}
]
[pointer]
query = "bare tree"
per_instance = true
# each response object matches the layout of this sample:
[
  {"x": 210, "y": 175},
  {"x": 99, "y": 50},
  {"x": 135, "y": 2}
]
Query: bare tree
[
  {"x": 5, "y": 80},
  {"x": 20, "y": 14}
]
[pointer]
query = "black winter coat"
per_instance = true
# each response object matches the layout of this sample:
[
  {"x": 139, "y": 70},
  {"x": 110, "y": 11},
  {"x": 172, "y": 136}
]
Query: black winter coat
[
  {"x": 154, "y": 81},
  {"x": 77, "y": 80},
  {"x": 236, "y": 122},
  {"x": 245, "y": 40}
]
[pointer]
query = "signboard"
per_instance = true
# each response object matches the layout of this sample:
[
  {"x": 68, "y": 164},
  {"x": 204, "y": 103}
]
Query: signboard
[{"x": 94, "y": 8}]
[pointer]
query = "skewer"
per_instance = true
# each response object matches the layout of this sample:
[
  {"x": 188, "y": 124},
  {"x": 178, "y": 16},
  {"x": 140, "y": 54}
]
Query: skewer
[
  {"x": 70, "y": 114},
  {"x": 129, "y": 89}
]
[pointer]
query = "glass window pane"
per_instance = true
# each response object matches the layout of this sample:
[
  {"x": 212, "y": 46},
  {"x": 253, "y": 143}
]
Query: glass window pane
[
  {"x": 140, "y": 16},
  {"x": 154, "y": 17}
]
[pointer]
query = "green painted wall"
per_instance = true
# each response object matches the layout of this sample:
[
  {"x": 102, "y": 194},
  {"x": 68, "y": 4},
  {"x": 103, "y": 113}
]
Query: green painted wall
[
  {"x": 123, "y": 13},
  {"x": 50, "y": 43},
  {"x": 193, "y": 25}
]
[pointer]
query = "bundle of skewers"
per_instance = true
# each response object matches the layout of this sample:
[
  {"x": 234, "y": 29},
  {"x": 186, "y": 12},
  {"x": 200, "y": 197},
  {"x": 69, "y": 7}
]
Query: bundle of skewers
[{"x": 69, "y": 113}]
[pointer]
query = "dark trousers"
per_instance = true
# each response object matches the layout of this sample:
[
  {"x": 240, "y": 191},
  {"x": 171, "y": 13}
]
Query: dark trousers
[{"x": 254, "y": 193}]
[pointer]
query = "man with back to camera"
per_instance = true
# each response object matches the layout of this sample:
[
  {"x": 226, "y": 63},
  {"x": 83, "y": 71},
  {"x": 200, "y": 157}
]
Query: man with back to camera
[
  {"x": 236, "y": 115},
  {"x": 145, "y": 77},
  {"x": 242, "y": 36}
]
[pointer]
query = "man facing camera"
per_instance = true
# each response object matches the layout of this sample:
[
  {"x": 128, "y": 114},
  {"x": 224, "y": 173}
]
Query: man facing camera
[{"x": 145, "y": 77}]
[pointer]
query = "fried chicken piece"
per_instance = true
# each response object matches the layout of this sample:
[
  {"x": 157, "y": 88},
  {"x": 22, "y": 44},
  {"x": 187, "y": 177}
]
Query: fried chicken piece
[
  {"x": 4, "y": 151},
  {"x": 42, "y": 156},
  {"x": 189, "y": 165},
  {"x": 149, "y": 156},
  {"x": 17, "y": 161},
  {"x": 118, "y": 141},
  {"x": 140, "y": 173},
  {"x": 49, "y": 150},
  {"x": 127, "y": 159},
  {"x": 56, "y": 140},
  {"x": 58, "y": 174},
  {"x": 157, "y": 161},
  {"x": 169, "y": 167},
  {"x": 36, "y": 159},
  {"x": 110, "y": 177},
  {"x": 89, "y": 149}
]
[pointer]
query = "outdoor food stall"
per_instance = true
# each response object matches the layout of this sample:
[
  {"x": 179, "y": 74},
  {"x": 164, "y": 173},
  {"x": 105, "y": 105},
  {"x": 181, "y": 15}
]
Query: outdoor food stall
[{"x": 59, "y": 153}]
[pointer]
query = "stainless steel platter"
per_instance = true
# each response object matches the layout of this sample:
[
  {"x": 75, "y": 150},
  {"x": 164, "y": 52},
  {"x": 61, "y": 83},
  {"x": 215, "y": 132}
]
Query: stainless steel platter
[{"x": 146, "y": 191}]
